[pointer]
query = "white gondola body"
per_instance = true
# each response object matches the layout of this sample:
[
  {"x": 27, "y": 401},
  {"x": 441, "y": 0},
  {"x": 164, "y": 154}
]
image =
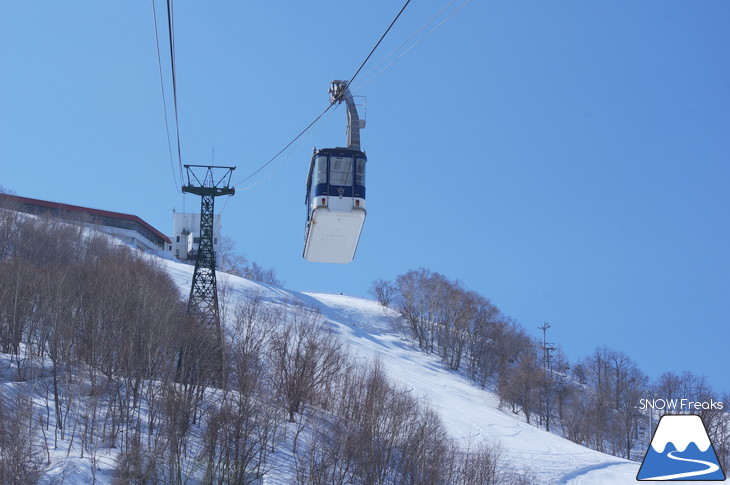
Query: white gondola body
[
  {"x": 334, "y": 230},
  {"x": 335, "y": 205}
]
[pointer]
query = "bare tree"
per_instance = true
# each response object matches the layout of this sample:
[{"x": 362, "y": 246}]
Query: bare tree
[
  {"x": 21, "y": 460},
  {"x": 484, "y": 343},
  {"x": 137, "y": 466},
  {"x": 378, "y": 433},
  {"x": 228, "y": 260},
  {"x": 239, "y": 432},
  {"x": 521, "y": 385},
  {"x": 460, "y": 309},
  {"x": 383, "y": 291},
  {"x": 414, "y": 304},
  {"x": 481, "y": 466},
  {"x": 234, "y": 263},
  {"x": 242, "y": 422},
  {"x": 720, "y": 434},
  {"x": 615, "y": 384},
  {"x": 629, "y": 384},
  {"x": 305, "y": 355}
]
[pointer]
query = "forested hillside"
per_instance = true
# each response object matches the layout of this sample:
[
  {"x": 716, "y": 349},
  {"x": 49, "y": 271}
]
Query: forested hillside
[
  {"x": 105, "y": 379},
  {"x": 95, "y": 389},
  {"x": 594, "y": 402}
]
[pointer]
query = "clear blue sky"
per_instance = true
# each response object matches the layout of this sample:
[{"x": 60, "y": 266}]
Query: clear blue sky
[{"x": 569, "y": 160}]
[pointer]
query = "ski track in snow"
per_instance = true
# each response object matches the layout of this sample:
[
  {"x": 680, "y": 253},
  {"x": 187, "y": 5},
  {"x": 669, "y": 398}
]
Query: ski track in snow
[{"x": 581, "y": 475}]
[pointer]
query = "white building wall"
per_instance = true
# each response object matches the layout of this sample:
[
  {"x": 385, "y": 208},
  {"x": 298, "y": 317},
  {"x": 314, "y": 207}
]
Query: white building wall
[
  {"x": 133, "y": 238},
  {"x": 186, "y": 234}
]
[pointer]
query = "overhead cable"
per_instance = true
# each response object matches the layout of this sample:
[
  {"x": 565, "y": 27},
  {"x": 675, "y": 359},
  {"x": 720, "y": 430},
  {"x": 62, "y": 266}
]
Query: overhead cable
[
  {"x": 287, "y": 145},
  {"x": 378, "y": 43},
  {"x": 164, "y": 103},
  {"x": 331, "y": 103},
  {"x": 371, "y": 74},
  {"x": 171, "y": 31}
]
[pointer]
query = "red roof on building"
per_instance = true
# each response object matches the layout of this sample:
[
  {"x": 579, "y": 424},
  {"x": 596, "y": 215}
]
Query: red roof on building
[{"x": 85, "y": 210}]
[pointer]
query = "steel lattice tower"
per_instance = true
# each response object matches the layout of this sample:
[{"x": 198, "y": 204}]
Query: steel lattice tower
[
  {"x": 203, "y": 302},
  {"x": 206, "y": 181}
]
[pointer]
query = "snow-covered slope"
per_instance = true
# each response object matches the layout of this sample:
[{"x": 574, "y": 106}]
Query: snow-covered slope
[{"x": 470, "y": 413}]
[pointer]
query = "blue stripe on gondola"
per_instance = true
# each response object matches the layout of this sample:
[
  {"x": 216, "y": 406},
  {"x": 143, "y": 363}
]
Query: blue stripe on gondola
[{"x": 333, "y": 190}]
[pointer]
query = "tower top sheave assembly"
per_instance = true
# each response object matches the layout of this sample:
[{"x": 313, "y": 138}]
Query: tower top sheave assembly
[{"x": 207, "y": 180}]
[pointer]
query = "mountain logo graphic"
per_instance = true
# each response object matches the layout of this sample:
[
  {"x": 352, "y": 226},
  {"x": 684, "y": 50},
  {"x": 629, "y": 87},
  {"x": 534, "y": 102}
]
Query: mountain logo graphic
[{"x": 680, "y": 450}]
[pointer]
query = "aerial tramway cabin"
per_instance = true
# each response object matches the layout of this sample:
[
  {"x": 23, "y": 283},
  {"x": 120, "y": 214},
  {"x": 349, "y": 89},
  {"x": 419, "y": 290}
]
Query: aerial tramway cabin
[{"x": 336, "y": 192}]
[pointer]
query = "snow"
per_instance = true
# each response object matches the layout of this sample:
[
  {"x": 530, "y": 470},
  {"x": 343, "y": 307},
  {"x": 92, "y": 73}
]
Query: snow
[{"x": 471, "y": 414}]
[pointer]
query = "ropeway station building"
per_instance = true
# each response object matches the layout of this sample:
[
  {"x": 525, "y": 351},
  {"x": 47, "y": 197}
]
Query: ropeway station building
[{"x": 131, "y": 229}]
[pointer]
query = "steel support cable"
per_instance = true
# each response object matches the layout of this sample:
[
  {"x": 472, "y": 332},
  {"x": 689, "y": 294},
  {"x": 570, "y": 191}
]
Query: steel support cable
[
  {"x": 414, "y": 34},
  {"x": 283, "y": 160},
  {"x": 287, "y": 145},
  {"x": 171, "y": 31},
  {"x": 164, "y": 103},
  {"x": 378, "y": 43},
  {"x": 332, "y": 103},
  {"x": 376, "y": 75}
]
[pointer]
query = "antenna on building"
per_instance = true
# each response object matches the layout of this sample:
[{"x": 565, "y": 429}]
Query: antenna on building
[{"x": 209, "y": 182}]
